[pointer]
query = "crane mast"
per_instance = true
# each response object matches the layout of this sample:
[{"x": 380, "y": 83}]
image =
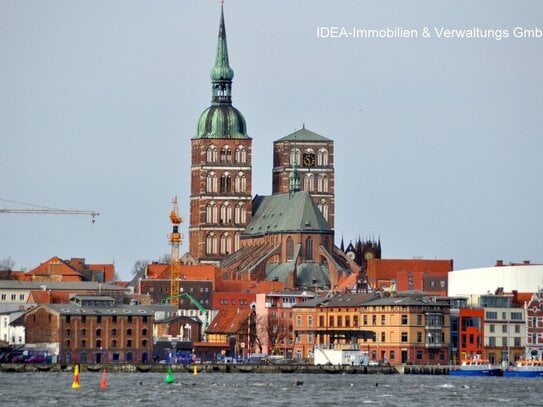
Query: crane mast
[{"x": 175, "y": 238}]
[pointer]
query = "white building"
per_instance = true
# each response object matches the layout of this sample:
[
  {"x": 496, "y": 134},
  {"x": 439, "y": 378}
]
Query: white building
[{"x": 527, "y": 278}]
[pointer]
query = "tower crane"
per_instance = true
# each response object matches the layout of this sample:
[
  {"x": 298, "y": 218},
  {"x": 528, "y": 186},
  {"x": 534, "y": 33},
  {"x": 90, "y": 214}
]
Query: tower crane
[
  {"x": 44, "y": 210},
  {"x": 175, "y": 238}
]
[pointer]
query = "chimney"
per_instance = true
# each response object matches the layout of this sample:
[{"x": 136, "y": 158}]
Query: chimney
[{"x": 499, "y": 263}]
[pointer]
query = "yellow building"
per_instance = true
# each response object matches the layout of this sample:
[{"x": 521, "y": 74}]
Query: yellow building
[{"x": 395, "y": 330}]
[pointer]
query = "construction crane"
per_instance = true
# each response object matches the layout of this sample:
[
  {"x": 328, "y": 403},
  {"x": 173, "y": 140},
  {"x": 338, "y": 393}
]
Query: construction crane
[
  {"x": 44, "y": 210},
  {"x": 175, "y": 238},
  {"x": 192, "y": 299}
]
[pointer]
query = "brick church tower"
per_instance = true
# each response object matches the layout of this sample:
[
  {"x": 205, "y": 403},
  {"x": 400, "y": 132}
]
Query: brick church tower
[
  {"x": 314, "y": 156},
  {"x": 221, "y": 171}
]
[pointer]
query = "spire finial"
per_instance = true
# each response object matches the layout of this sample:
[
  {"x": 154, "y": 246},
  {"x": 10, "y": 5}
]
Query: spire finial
[{"x": 221, "y": 73}]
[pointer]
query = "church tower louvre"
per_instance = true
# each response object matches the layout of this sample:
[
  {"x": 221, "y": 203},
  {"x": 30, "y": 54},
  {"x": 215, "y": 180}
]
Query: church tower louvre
[{"x": 221, "y": 170}]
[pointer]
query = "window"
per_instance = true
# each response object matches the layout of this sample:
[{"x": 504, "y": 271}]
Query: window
[
  {"x": 491, "y": 341},
  {"x": 144, "y": 343},
  {"x": 98, "y": 343},
  {"x": 144, "y": 332},
  {"x": 491, "y": 315},
  {"x": 68, "y": 319},
  {"x": 295, "y": 156},
  {"x": 516, "y": 315},
  {"x": 355, "y": 321},
  {"x": 114, "y": 343},
  {"x": 226, "y": 213},
  {"x": 68, "y": 332},
  {"x": 240, "y": 183},
  {"x": 504, "y": 341},
  {"x": 491, "y": 328},
  {"x": 290, "y": 248},
  {"x": 240, "y": 216},
  {"x": 374, "y": 319},
  {"x": 322, "y": 157},
  {"x": 129, "y": 332},
  {"x": 404, "y": 319},
  {"x": 382, "y": 320},
  {"x": 298, "y": 320},
  {"x": 114, "y": 319},
  {"x": 331, "y": 321},
  {"x": 419, "y": 320},
  {"x": 226, "y": 244},
  {"x": 114, "y": 332},
  {"x": 129, "y": 319},
  {"x": 392, "y": 355},
  {"x": 310, "y": 320},
  {"x": 83, "y": 331},
  {"x": 309, "y": 248},
  {"x": 129, "y": 343},
  {"x": 226, "y": 154},
  {"x": 211, "y": 182},
  {"x": 419, "y": 337},
  {"x": 322, "y": 183},
  {"x": 516, "y": 341},
  {"x": 517, "y": 329},
  {"x": 211, "y": 213},
  {"x": 383, "y": 337},
  {"x": 504, "y": 328},
  {"x": 309, "y": 183},
  {"x": 339, "y": 321},
  {"x": 83, "y": 357},
  {"x": 211, "y": 154},
  {"x": 98, "y": 319},
  {"x": 404, "y": 336},
  {"x": 211, "y": 243},
  {"x": 68, "y": 343},
  {"x": 240, "y": 155},
  {"x": 347, "y": 321},
  {"x": 226, "y": 183}
]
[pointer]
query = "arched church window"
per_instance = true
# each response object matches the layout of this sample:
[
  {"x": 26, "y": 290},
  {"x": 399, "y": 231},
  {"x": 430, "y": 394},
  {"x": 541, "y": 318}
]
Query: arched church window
[
  {"x": 309, "y": 248},
  {"x": 211, "y": 213},
  {"x": 240, "y": 183},
  {"x": 290, "y": 248},
  {"x": 226, "y": 213},
  {"x": 226, "y": 183},
  {"x": 226, "y": 244},
  {"x": 322, "y": 183},
  {"x": 239, "y": 214},
  {"x": 211, "y": 182},
  {"x": 295, "y": 156},
  {"x": 309, "y": 182},
  {"x": 211, "y": 243},
  {"x": 323, "y": 207},
  {"x": 236, "y": 242},
  {"x": 322, "y": 157},
  {"x": 226, "y": 154},
  {"x": 241, "y": 155},
  {"x": 211, "y": 154}
]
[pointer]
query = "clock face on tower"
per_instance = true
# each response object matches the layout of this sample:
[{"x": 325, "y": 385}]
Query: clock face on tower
[
  {"x": 308, "y": 160},
  {"x": 368, "y": 255}
]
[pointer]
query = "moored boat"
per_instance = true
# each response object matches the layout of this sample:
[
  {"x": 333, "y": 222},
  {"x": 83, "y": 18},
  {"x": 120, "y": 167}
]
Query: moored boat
[
  {"x": 475, "y": 367},
  {"x": 525, "y": 368}
]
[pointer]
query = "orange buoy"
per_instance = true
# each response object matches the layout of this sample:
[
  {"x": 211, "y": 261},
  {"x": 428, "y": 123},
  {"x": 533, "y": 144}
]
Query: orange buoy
[{"x": 103, "y": 384}]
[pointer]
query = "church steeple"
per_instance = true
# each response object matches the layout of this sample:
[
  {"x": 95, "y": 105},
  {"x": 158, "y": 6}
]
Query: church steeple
[
  {"x": 294, "y": 178},
  {"x": 221, "y": 73}
]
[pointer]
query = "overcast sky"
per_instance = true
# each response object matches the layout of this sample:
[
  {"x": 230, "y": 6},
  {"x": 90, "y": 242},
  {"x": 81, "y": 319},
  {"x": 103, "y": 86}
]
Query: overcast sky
[{"x": 438, "y": 140}]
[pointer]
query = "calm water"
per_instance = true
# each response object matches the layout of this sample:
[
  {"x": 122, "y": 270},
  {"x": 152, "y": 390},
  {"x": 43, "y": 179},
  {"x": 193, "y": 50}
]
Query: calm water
[{"x": 251, "y": 389}]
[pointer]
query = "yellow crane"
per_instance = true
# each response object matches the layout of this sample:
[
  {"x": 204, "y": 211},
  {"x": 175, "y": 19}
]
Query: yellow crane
[
  {"x": 175, "y": 238},
  {"x": 44, "y": 210}
]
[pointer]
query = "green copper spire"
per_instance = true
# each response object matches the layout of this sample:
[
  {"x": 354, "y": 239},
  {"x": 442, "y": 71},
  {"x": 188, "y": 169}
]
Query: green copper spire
[
  {"x": 221, "y": 119},
  {"x": 294, "y": 178},
  {"x": 221, "y": 73}
]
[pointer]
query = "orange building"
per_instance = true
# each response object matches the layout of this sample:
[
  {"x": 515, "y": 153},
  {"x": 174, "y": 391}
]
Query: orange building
[
  {"x": 471, "y": 332},
  {"x": 429, "y": 276}
]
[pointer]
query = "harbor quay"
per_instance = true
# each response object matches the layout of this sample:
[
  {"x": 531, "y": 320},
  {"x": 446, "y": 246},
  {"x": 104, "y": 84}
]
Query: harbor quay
[{"x": 227, "y": 368}]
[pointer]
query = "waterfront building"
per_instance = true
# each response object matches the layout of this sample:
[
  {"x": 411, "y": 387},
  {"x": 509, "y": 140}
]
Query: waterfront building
[
  {"x": 413, "y": 330},
  {"x": 90, "y": 329},
  {"x": 504, "y": 329},
  {"x": 471, "y": 333},
  {"x": 534, "y": 326},
  {"x": 428, "y": 276},
  {"x": 523, "y": 278},
  {"x": 274, "y": 322}
]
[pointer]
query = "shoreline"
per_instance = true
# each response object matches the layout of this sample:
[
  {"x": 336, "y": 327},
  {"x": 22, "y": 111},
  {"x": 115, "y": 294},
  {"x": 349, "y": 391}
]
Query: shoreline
[{"x": 225, "y": 368}]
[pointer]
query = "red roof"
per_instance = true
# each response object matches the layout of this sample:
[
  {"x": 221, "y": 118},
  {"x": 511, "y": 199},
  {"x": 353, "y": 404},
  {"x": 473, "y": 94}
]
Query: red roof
[{"x": 229, "y": 321}]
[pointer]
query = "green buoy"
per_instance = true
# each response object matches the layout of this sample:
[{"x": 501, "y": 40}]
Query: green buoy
[{"x": 169, "y": 377}]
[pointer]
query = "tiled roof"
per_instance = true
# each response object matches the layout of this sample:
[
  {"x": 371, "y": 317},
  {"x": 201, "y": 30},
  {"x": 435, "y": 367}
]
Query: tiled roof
[
  {"x": 286, "y": 212},
  {"x": 304, "y": 135},
  {"x": 229, "y": 321}
]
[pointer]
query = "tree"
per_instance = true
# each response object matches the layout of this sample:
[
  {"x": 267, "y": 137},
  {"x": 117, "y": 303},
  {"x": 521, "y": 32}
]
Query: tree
[
  {"x": 139, "y": 268},
  {"x": 272, "y": 330},
  {"x": 7, "y": 264}
]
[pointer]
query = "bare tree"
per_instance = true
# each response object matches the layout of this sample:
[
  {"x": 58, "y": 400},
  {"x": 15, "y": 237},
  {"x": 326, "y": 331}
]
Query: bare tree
[
  {"x": 7, "y": 264},
  {"x": 139, "y": 268},
  {"x": 272, "y": 330}
]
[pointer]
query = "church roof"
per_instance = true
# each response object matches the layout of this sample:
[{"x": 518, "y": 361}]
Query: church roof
[
  {"x": 286, "y": 213},
  {"x": 304, "y": 135}
]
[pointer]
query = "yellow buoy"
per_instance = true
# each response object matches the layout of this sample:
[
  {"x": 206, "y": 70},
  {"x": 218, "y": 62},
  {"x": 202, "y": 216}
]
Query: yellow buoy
[
  {"x": 195, "y": 370},
  {"x": 75, "y": 384}
]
